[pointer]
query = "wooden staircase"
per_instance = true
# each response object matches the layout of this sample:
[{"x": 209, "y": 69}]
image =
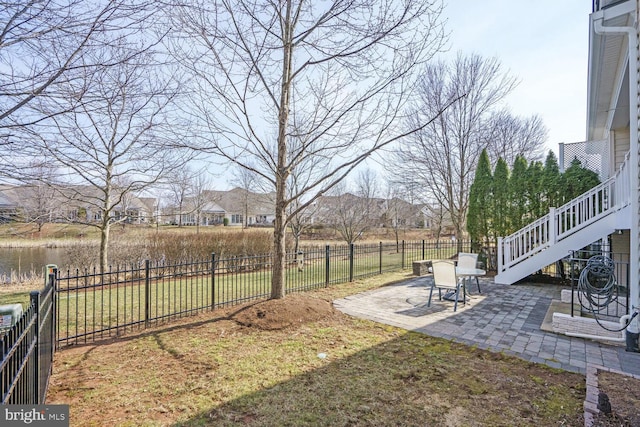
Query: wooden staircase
[{"x": 574, "y": 225}]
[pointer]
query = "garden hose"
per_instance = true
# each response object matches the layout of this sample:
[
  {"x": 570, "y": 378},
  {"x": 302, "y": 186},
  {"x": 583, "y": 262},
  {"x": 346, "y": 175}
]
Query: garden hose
[{"x": 597, "y": 284}]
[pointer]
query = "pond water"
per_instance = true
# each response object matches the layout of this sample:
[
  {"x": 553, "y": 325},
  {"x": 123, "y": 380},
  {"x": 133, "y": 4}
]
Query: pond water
[{"x": 27, "y": 260}]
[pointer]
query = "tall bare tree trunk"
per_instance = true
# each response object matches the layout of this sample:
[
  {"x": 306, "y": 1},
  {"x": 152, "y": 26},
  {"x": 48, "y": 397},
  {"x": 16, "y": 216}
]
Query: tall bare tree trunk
[
  {"x": 279, "y": 252},
  {"x": 280, "y": 225},
  {"x": 243, "y": 54},
  {"x": 104, "y": 243}
]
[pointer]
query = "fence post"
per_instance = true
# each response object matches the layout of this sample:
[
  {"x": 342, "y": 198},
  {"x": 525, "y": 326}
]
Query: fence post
[
  {"x": 380, "y": 271},
  {"x": 326, "y": 265},
  {"x": 500, "y": 260},
  {"x": 53, "y": 275},
  {"x": 403, "y": 254},
  {"x": 351, "y": 262},
  {"x": 213, "y": 280},
  {"x": 147, "y": 292},
  {"x": 553, "y": 227},
  {"x": 34, "y": 297},
  {"x": 572, "y": 279},
  {"x": 423, "y": 249}
]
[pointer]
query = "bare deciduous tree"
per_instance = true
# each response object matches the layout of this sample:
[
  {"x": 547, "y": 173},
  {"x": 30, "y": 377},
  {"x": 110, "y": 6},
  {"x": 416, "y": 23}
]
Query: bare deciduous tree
[
  {"x": 43, "y": 48},
  {"x": 248, "y": 180},
  {"x": 300, "y": 222},
  {"x": 200, "y": 187},
  {"x": 510, "y": 136},
  {"x": 38, "y": 197},
  {"x": 179, "y": 182},
  {"x": 113, "y": 139},
  {"x": 352, "y": 214},
  {"x": 276, "y": 83},
  {"x": 300, "y": 219},
  {"x": 442, "y": 157},
  {"x": 367, "y": 187},
  {"x": 438, "y": 218},
  {"x": 347, "y": 213},
  {"x": 397, "y": 213}
]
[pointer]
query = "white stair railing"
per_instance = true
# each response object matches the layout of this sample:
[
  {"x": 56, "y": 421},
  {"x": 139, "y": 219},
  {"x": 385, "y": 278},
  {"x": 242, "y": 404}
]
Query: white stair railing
[{"x": 608, "y": 197}]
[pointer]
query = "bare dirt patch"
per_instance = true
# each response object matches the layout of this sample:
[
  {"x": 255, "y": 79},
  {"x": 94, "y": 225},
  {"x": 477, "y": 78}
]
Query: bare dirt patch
[
  {"x": 623, "y": 394},
  {"x": 296, "y": 309}
]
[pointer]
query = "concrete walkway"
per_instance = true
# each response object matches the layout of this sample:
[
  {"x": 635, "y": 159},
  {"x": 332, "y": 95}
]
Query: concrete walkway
[{"x": 502, "y": 319}]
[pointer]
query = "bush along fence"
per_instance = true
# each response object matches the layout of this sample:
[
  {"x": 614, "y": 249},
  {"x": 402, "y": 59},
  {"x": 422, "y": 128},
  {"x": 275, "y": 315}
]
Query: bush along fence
[
  {"x": 77, "y": 307},
  {"x": 27, "y": 350}
]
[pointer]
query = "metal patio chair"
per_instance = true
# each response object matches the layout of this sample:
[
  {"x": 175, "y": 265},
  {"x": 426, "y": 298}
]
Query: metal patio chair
[
  {"x": 467, "y": 261},
  {"x": 444, "y": 277}
]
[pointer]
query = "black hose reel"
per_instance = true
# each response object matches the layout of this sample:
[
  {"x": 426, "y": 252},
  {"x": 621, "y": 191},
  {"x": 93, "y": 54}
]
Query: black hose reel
[{"x": 596, "y": 290}]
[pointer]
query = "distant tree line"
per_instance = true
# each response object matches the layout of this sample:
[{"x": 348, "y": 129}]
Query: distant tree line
[{"x": 504, "y": 201}]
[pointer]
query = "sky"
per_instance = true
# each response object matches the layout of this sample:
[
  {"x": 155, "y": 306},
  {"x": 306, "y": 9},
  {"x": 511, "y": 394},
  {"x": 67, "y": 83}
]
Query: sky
[{"x": 543, "y": 43}]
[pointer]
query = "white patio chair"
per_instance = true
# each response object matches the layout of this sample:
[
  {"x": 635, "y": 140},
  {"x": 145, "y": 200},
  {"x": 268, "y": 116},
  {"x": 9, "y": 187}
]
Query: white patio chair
[
  {"x": 444, "y": 277},
  {"x": 467, "y": 261}
]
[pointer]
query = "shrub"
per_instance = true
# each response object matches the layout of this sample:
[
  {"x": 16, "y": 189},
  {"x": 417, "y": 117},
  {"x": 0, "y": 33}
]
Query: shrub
[
  {"x": 181, "y": 246},
  {"x": 170, "y": 246},
  {"x": 81, "y": 255}
]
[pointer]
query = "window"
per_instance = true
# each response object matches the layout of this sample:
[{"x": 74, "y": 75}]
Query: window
[{"x": 236, "y": 219}]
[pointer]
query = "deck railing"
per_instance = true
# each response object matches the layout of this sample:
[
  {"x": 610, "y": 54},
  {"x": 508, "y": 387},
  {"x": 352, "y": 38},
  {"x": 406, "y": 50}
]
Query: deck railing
[{"x": 562, "y": 222}]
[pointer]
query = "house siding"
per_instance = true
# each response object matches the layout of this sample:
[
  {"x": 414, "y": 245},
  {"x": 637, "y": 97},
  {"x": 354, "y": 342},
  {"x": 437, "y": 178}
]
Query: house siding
[
  {"x": 620, "y": 243},
  {"x": 621, "y": 138},
  {"x": 620, "y": 252}
]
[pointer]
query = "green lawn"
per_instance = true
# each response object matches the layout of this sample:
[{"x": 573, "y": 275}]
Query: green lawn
[
  {"x": 209, "y": 370},
  {"x": 91, "y": 305}
]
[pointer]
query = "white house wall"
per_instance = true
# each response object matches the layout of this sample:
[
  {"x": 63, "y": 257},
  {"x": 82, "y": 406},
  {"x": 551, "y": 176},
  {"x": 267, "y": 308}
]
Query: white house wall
[
  {"x": 620, "y": 244},
  {"x": 621, "y": 138}
]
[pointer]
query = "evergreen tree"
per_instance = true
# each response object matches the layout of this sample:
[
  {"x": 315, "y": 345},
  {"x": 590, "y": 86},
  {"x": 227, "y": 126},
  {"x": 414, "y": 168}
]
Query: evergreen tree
[
  {"x": 551, "y": 183},
  {"x": 518, "y": 191},
  {"x": 480, "y": 203},
  {"x": 535, "y": 192},
  {"x": 500, "y": 221},
  {"x": 577, "y": 180},
  {"x": 524, "y": 195}
]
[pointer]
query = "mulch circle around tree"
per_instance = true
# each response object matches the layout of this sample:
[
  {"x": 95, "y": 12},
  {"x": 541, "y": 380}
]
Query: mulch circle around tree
[{"x": 275, "y": 314}]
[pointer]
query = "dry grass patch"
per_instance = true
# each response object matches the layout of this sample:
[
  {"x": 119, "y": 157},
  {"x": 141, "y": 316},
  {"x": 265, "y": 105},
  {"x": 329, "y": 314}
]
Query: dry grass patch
[
  {"x": 317, "y": 368},
  {"x": 623, "y": 394}
]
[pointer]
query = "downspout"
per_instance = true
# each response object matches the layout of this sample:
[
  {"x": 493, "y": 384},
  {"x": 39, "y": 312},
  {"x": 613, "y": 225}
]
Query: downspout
[{"x": 634, "y": 274}]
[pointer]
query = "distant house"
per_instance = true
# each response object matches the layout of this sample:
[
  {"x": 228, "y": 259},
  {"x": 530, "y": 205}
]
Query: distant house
[
  {"x": 71, "y": 203},
  {"x": 240, "y": 208},
  {"x": 198, "y": 212},
  {"x": 396, "y": 212},
  {"x": 9, "y": 204},
  {"x": 136, "y": 210},
  {"x": 243, "y": 207},
  {"x": 376, "y": 212},
  {"x": 148, "y": 209}
]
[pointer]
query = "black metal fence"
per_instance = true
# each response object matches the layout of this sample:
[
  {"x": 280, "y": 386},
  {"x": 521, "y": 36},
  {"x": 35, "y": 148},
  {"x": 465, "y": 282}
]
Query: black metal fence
[
  {"x": 83, "y": 306},
  {"x": 93, "y": 305},
  {"x": 27, "y": 350}
]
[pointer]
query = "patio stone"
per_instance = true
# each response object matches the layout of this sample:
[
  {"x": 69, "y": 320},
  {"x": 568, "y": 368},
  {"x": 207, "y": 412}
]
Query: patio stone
[{"x": 502, "y": 319}]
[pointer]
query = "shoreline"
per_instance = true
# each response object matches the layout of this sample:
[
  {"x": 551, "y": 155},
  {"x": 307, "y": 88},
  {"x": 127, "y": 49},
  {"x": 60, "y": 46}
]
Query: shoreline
[{"x": 49, "y": 244}]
